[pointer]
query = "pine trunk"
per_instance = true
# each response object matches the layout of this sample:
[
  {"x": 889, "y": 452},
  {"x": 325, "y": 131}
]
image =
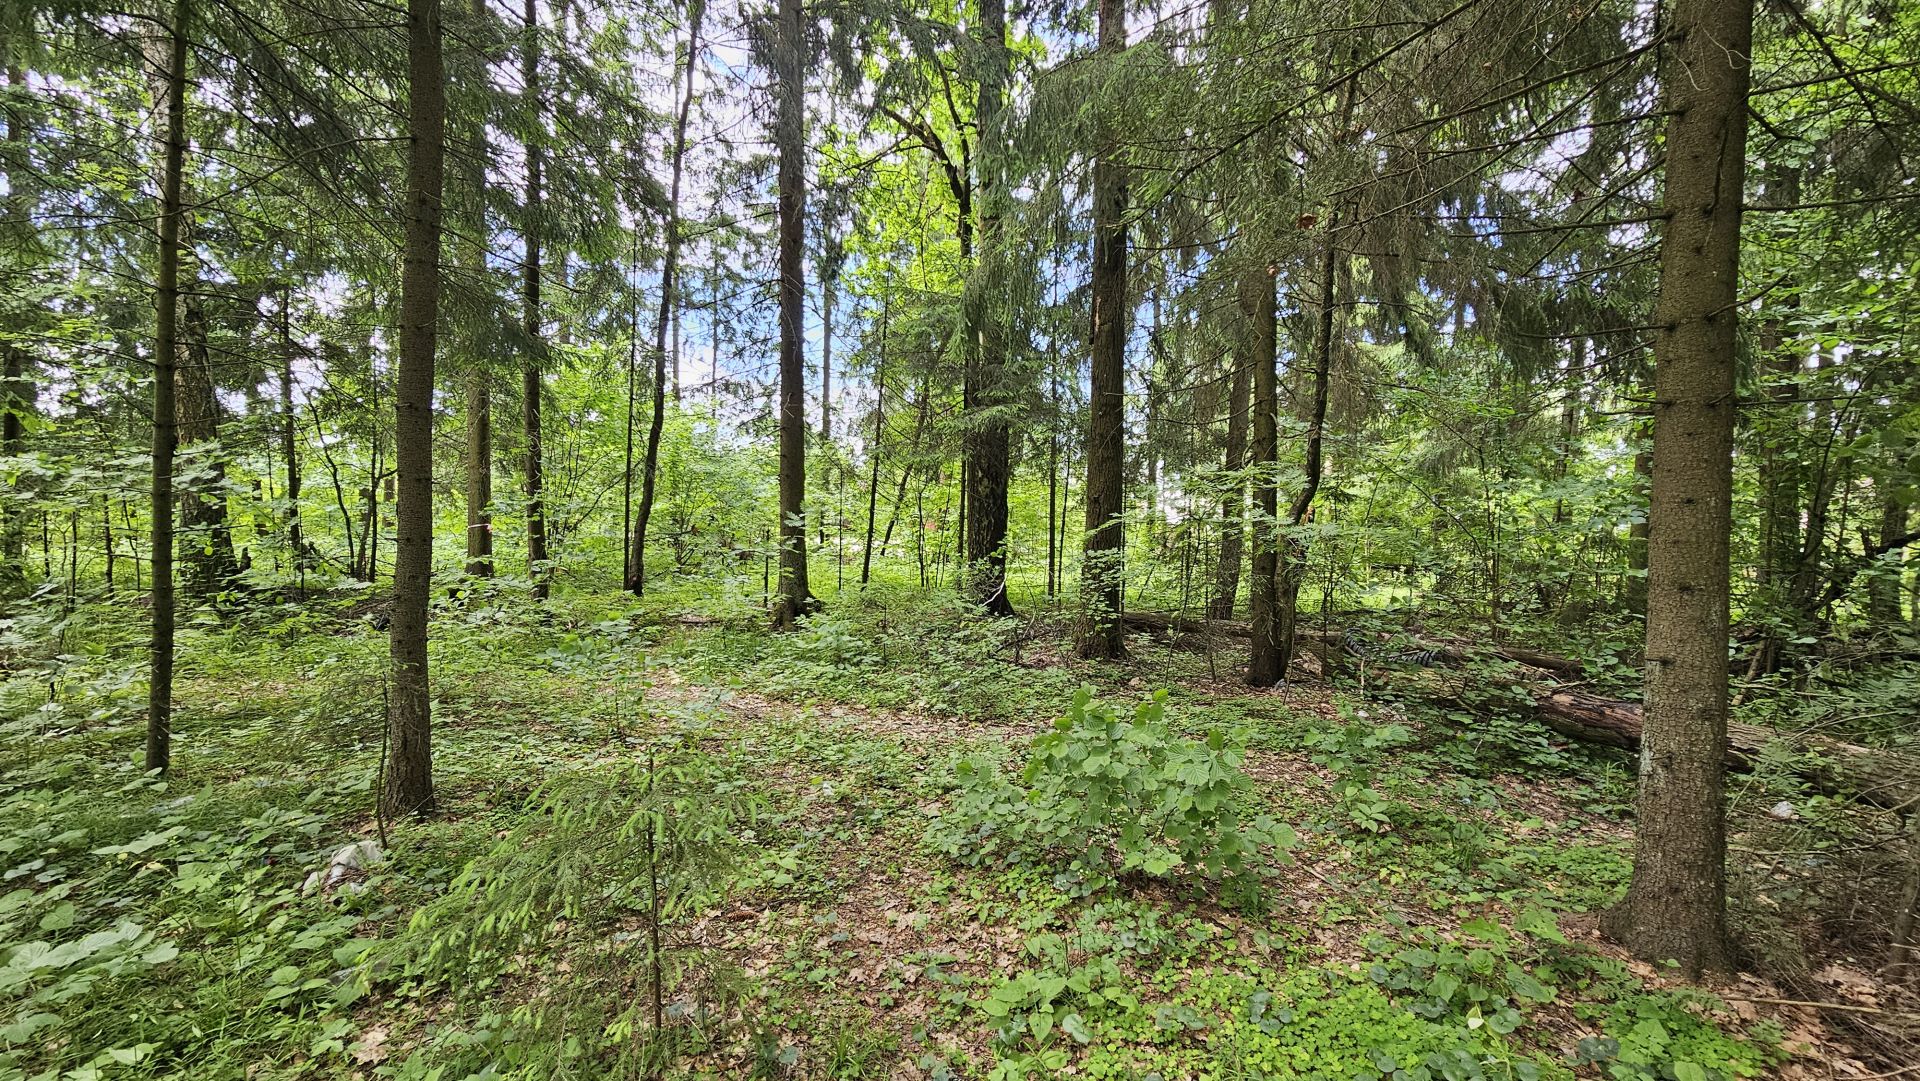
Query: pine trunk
[
  {"x": 1265, "y": 665},
  {"x": 477, "y": 451},
  {"x": 669, "y": 294},
  {"x": 1226, "y": 578},
  {"x": 988, "y": 461},
  {"x": 1293, "y": 549},
  {"x": 407, "y": 787},
  {"x": 17, "y": 393},
  {"x": 1676, "y": 904},
  {"x": 290, "y": 433},
  {"x": 795, "y": 598},
  {"x": 159, "y": 752},
  {"x": 879, "y": 434},
  {"x": 1103, "y": 570},
  {"x": 539, "y": 569}
]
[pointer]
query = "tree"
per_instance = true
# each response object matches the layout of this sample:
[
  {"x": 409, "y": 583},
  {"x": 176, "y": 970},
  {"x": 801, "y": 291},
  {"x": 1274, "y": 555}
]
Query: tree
[
  {"x": 1675, "y": 906},
  {"x": 1292, "y": 548},
  {"x": 988, "y": 464},
  {"x": 16, "y": 389},
  {"x": 205, "y": 542},
  {"x": 477, "y": 466},
  {"x": 1102, "y": 570},
  {"x": 159, "y": 754},
  {"x": 1266, "y": 661},
  {"x": 669, "y": 292},
  {"x": 1226, "y": 582},
  {"x": 532, "y": 385},
  {"x": 794, "y": 598},
  {"x": 408, "y": 784}
]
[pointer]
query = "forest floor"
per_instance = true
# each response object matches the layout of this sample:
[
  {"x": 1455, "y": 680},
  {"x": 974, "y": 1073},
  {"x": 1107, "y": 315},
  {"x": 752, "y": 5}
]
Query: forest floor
[{"x": 1434, "y": 920}]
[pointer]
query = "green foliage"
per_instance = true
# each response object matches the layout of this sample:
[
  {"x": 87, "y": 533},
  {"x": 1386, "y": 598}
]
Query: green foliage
[
  {"x": 1485, "y": 983},
  {"x": 1353, "y": 751},
  {"x": 1660, "y": 1037},
  {"x": 1107, "y": 795},
  {"x": 600, "y": 857}
]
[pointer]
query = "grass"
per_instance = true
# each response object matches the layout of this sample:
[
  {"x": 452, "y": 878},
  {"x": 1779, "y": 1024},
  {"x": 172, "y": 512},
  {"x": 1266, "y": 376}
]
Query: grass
[{"x": 1431, "y": 922}]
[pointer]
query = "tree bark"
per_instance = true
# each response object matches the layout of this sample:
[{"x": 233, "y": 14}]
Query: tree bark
[
  {"x": 205, "y": 544},
  {"x": 826, "y": 348},
  {"x": 1266, "y": 665},
  {"x": 669, "y": 294},
  {"x": 1226, "y": 579},
  {"x": 1883, "y": 588},
  {"x": 1883, "y": 778},
  {"x": 795, "y": 598},
  {"x": 1103, "y": 564},
  {"x": 159, "y": 750},
  {"x": 539, "y": 569},
  {"x": 477, "y": 453},
  {"x": 879, "y": 433},
  {"x": 408, "y": 785},
  {"x": 290, "y": 432},
  {"x": 1054, "y": 510},
  {"x": 988, "y": 462},
  {"x": 208, "y": 565},
  {"x": 1636, "y": 585},
  {"x": 1676, "y": 903},
  {"x": 17, "y": 392},
  {"x": 1293, "y": 549}
]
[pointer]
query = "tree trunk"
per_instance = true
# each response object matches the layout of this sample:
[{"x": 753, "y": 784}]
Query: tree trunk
[
  {"x": 1883, "y": 588},
  {"x": 1636, "y": 586},
  {"x": 1676, "y": 904},
  {"x": 208, "y": 562},
  {"x": 173, "y": 75},
  {"x": 539, "y": 568},
  {"x": 988, "y": 463},
  {"x": 408, "y": 785},
  {"x": 826, "y": 348},
  {"x": 17, "y": 393},
  {"x": 477, "y": 452},
  {"x": 205, "y": 543},
  {"x": 669, "y": 293},
  {"x": 795, "y": 598},
  {"x": 879, "y": 433},
  {"x": 1293, "y": 549},
  {"x": 1103, "y": 568},
  {"x": 290, "y": 433},
  {"x": 1226, "y": 579},
  {"x": 1266, "y": 665},
  {"x": 1054, "y": 510}
]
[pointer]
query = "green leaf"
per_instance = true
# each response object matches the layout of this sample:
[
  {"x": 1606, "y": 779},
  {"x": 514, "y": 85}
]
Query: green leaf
[{"x": 59, "y": 919}]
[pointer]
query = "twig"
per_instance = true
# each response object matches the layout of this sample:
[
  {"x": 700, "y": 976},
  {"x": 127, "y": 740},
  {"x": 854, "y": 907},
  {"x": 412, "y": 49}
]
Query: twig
[{"x": 1846, "y": 1006}]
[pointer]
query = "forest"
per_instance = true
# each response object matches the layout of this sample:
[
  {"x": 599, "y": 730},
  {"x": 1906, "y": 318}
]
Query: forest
[{"x": 1307, "y": 540}]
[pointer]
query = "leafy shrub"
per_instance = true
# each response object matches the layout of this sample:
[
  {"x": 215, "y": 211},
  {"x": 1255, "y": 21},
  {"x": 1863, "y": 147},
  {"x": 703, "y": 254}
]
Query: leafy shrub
[{"x": 1111, "y": 795}]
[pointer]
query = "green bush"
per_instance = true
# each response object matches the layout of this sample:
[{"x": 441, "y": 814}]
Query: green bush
[{"x": 1108, "y": 795}]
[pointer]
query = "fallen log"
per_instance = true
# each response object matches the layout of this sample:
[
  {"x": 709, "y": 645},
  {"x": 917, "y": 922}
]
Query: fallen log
[
  {"x": 1449, "y": 653},
  {"x": 1832, "y": 767}
]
